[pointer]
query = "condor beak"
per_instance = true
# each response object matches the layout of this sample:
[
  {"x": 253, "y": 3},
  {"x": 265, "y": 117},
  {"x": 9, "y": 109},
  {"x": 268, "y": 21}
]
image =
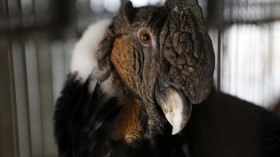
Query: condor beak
[{"x": 175, "y": 106}]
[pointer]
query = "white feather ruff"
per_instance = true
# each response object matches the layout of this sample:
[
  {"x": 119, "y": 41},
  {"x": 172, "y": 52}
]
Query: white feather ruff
[
  {"x": 84, "y": 55},
  {"x": 84, "y": 61}
]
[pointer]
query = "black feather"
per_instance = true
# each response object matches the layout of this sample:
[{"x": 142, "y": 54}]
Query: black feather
[
  {"x": 83, "y": 121},
  {"x": 225, "y": 126}
]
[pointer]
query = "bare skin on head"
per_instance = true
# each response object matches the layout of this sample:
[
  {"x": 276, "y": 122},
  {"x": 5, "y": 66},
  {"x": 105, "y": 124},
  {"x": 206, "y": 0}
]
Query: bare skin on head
[{"x": 162, "y": 62}]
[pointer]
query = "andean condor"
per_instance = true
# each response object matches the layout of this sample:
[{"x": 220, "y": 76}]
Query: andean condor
[{"x": 141, "y": 85}]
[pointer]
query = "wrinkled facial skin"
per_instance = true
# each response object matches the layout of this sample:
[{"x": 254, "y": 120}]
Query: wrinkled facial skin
[
  {"x": 135, "y": 52},
  {"x": 162, "y": 62},
  {"x": 135, "y": 60},
  {"x": 188, "y": 49}
]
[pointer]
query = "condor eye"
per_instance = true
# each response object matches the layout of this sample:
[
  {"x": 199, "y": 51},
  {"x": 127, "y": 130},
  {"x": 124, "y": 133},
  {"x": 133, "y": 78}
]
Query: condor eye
[{"x": 145, "y": 38}]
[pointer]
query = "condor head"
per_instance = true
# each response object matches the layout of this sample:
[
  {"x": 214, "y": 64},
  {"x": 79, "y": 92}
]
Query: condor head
[{"x": 161, "y": 62}]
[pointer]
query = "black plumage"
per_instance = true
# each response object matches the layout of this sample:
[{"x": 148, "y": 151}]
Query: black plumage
[
  {"x": 221, "y": 126},
  {"x": 226, "y": 126}
]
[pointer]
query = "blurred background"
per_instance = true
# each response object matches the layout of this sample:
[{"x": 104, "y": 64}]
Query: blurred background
[{"x": 37, "y": 38}]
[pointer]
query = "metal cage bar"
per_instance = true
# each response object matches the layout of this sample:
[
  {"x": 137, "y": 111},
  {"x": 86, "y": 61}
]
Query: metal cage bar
[{"x": 36, "y": 42}]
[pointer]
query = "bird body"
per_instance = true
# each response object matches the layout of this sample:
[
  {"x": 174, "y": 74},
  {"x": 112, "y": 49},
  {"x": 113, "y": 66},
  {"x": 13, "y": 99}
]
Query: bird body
[
  {"x": 224, "y": 125},
  {"x": 141, "y": 85}
]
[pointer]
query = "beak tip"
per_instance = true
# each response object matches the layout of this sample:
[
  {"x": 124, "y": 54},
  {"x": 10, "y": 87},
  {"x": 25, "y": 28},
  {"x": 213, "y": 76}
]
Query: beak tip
[
  {"x": 175, "y": 131},
  {"x": 176, "y": 108}
]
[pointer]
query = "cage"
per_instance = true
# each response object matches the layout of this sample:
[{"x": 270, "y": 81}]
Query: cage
[{"x": 37, "y": 38}]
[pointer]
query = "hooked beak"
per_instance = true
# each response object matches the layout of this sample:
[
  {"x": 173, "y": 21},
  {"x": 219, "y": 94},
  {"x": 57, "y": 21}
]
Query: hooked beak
[{"x": 175, "y": 106}]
